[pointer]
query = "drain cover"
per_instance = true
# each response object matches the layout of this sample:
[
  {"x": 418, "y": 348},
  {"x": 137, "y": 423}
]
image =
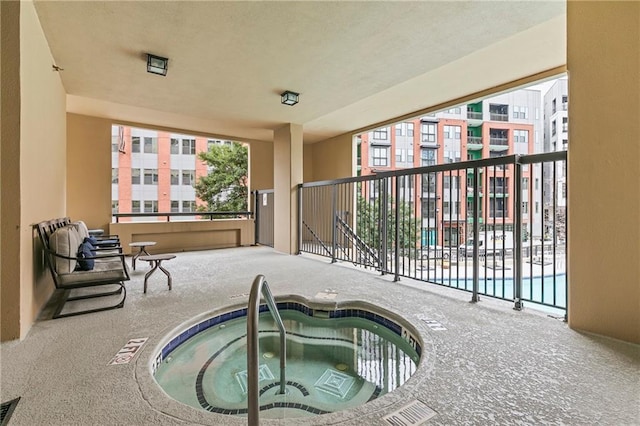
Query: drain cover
[
  {"x": 6, "y": 410},
  {"x": 415, "y": 413}
]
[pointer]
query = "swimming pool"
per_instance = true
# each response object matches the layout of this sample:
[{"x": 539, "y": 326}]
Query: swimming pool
[{"x": 337, "y": 358}]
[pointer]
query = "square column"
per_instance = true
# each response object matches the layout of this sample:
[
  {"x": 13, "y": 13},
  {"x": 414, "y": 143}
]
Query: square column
[{"x": 287, "y": 175}]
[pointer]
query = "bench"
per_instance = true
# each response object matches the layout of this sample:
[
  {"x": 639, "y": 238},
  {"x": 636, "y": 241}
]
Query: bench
[{"x": 62, "y": 241}]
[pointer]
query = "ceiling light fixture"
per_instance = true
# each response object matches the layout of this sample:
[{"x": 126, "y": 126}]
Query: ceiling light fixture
[
  {"x": 289, "y": 98},
  {"x": 157, "y": 64}
]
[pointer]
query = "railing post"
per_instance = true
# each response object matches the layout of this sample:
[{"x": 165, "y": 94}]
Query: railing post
[
  {"x": 334, "y": 223},
  {"x": 256, "y": 218},
  {"x": 517, "y": 243},
  {"x": 476, "y": 234},
  {"x": 300, "y": 191},
  {"x": 382, "y": 205},
  {"x": 396, "y": 244}
]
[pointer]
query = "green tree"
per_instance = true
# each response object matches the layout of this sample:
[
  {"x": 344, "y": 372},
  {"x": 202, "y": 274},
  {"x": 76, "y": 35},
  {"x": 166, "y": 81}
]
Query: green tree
[
  {"x": 369, "y": 227},
  {"x": 225, "y": 187}
]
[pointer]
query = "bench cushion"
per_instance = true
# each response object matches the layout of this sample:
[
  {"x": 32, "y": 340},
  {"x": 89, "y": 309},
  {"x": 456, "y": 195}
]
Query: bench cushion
[
  {"x": 65, "y": 241},
  {"x": 103, "y": 272}
]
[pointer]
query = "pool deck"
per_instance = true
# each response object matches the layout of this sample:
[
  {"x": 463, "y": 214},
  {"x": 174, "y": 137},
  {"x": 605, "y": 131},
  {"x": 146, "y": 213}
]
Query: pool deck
[{"x": 483, "y": 363}]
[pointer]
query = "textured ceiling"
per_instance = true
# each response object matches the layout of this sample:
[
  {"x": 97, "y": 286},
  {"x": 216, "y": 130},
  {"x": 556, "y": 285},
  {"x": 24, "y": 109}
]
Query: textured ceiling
[{"x": 354, "y": 63}]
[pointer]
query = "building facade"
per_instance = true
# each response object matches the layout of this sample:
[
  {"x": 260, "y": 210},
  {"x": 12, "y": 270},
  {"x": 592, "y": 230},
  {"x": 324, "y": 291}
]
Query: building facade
[
  {"x": 556, "y": 138},
  {"x": 155, "y": 172},
  {"x": 511, "y": 123}
]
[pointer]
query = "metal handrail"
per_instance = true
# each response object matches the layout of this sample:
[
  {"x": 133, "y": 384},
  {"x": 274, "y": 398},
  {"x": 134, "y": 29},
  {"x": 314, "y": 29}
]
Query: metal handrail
[{"x": 260, "y": 287}]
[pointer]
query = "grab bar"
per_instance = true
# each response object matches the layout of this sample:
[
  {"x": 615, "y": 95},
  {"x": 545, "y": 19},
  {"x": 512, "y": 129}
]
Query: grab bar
[{"x": 259, "y": 287}]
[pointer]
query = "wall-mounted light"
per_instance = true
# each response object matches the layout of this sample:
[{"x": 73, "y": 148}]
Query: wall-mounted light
[
  {"x": 289, "y": 98},
  {"x": 157, "y": 64}
]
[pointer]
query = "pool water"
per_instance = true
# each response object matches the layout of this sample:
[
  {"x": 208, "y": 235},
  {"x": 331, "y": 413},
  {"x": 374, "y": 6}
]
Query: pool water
[{"x": 332, "y": 364}]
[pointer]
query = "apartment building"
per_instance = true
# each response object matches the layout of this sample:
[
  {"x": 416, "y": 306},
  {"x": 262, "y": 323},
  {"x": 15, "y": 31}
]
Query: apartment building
[
  {"x": 506, "y": 124},
  {"x": 556, "y": 138},
  {"x": 154, "y": 171}
]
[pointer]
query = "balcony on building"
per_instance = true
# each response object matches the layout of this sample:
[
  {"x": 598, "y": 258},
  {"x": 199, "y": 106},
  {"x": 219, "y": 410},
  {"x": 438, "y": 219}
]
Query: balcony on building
[
  {"x": 498, "y": 140},
  {"x": 474, "y": 143},
  {"x": 499, "y": 112},
  {"x": 474, "y": 114}
]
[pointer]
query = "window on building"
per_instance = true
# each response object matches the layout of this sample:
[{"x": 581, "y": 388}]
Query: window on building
[
  {"x": 135, "y": 176},
  {"x": 498, "y": 185},
  {"x": 114, "y": 144},
  {"x": 212, "y": 142},
  {"x": 521, "y": 112},
  {"x": 525, "y": 183},
  {"x": 452, "y": 132},
  {"x": 135, "y": 144},
  {"x": 135, "y": 206},
  {"x": 410, "y": 156},
  {"x": 399, "y": 152},
  {"x": 175, "y": 146},
  {"x": 452, "y": 182},
  {"x": 537, "y": 183},
  {"x": 497, "y": 207},
  {"x": 381, "y": 134},
  {"x": 428, "y": 156},
  {"x": 114, "y": 175},
  {"x": 188, "y": 177},
  {"x": 521, "y": 136},
  {"x": 150, "y": 145},
  {"x": 188, "y": 206},
  {"x": 175, "y": 206},
  {"x": 564, "y": 190},
  {"x": 188, "y": 146},
  {"x": 499, "y": 112},
  {"x": 175, "y": 177},
  {"x": 525, "y": 207},
  {"x": 380, "y": 156},
  {"x": 565, "y": 102},
  {"x": 429, "y": 182},
  {"x": 553, "y": 106},
  {"x": 428, "y": 131},
  {"x": 455, "y": 110},
  {"x": 565, "y": 144},
  {"x": 409, "y": 129},
  {"x": 399, "y": 129},
  {"x": 429, "y": 207},
  {"x": 537, "y": 207},
  {"x": 565, "y": 124},
  {"x": 553, "y": 127},
  {"x": 151, "y": 206},
  {"x": 150, "y": 176},
  {"x": 114, "y": 206}
]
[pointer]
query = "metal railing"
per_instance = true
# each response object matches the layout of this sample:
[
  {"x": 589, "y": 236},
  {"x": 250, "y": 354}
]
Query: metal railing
[
  {"x": 258, "y": 288},
  {"x": 196, "y": 215},
  {"x": 497, "y": 228}
]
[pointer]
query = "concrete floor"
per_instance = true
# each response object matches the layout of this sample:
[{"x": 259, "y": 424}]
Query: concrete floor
[{"x": 491, "y": 364}]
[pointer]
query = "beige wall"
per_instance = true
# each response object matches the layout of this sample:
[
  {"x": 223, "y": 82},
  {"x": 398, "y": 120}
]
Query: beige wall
[
  {"x": 261, "y": 165},
  {"x": 186, "y": 235},
  {"x": 89, "y": 170},
  {"x": 604, "y": 167},
  {"x": 332, "y": 158},
  {"x": 36, "y": 176},
  {"x": 10, "y": 171}
]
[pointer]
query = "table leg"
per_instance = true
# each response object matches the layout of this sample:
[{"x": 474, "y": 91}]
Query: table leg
[
  {"x": 166, "y": 273},
  {"x": 155, "y": 264},
  {"x": 138, "y": 254}
]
